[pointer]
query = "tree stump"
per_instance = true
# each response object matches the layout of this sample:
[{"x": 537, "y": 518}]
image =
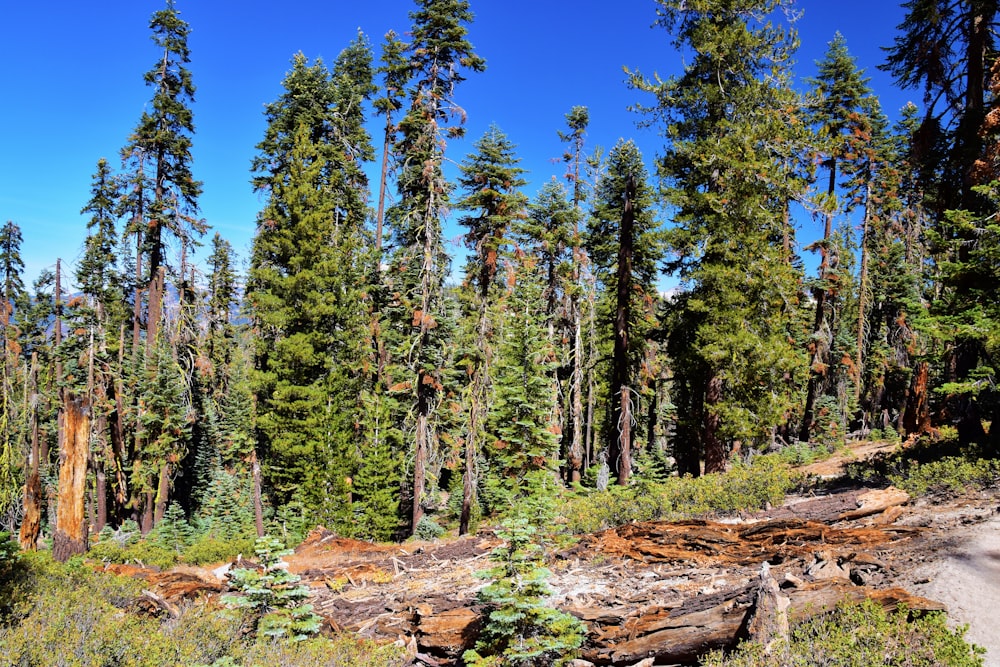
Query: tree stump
[{"x": 71, "y": 529}]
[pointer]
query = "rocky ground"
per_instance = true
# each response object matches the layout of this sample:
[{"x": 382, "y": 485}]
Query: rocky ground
[{"x": 662, "y": 593}]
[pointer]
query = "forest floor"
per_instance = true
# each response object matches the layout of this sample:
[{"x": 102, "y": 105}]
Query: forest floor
[{"x": 662, "y": 593}]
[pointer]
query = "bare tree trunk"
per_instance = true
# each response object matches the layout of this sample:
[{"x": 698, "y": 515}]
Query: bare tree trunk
[
  {"x": 419, "y": 465},
  {"x": 137, "y": 306},
  {"x": 31, "y": 526},
  {"x": 155, "y": 309},
  {"x": 916, "y": 414},
  {"x": 820, "y": 349},
  {"x": 258, "y": 505},
  {"x": 162, "y": 493},
  {"x": 620, "y": 456},
  {"x": 71, "y": 530}
]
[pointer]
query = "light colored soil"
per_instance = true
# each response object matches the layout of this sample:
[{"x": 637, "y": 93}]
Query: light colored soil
[{"x": 964, "y": 574}]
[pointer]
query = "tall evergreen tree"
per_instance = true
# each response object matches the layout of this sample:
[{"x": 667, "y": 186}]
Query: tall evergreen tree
[
  {"x": 439, "y": 55},
  {"x": 626, "y": 246},
  {"x": 837, "y": 110},
  {"x": 577, "y": 121},
  {"x": 307, "y": 277},
  {"x": 724, "y": 172},
  {"x": 165, "y": 198},
  {"x": 490, "y": 180},
  {"x": 11, "y": 269},
  {"x": 948, "y": 48}
]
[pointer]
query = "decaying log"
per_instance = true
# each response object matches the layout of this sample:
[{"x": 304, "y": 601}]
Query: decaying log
[
  {"x": 74, "y": 450},
  {"x": 449, "y": 632},
  {"x": 767, "y": 623},
  {"x": 705, "y": 623}
]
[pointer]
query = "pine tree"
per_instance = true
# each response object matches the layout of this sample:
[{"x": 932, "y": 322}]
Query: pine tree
[
  {"x": 165, "y": 196},
  {"x": 100, "y": 282},
  {"x": 523, "y": 429},
  {"x": 625, "y": 246},
  {"x": 838, "y": 112},
  {"x": 724, "y": 172},
  {"x": 308, "y": 274},
  {"x": 490, "y": 179},
  {"x": 395, "y": 73},
  {"x": 439, "y": 54},
  {"x": 11, "y": 268},
  {"x": 577, "y": 121},
  {"x": 947, "y": 48}
]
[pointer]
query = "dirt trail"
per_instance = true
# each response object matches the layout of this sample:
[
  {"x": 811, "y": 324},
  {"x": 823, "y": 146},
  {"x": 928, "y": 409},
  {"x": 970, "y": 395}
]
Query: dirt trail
[
  {"x": 963, "y": 572},
  {"x": 959, "y": 565}
]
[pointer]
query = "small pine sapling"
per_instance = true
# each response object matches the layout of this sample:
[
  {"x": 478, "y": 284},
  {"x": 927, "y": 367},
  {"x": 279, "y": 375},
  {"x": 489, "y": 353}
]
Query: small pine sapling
[
  {"x": 521, "y": 629},
  {"x": 274, "y": 594}
]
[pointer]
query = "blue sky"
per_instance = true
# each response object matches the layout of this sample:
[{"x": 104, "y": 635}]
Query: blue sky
[{"x": 73, "y": 88}]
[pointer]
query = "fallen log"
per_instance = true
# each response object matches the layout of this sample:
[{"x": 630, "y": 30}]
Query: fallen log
[{"x": 682, "y": 634}]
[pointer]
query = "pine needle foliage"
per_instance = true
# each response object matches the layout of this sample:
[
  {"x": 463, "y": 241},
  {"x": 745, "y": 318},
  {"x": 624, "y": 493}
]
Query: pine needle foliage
[
  {"x": 275, "y": 594},
  {"x": 522, "y": 629}
]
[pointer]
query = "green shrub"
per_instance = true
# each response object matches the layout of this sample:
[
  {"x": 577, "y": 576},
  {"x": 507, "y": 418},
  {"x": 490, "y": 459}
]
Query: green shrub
[
  {"x": 931, "y": 466},
  {"x": 72, "y": 616},
  {"x": 862, "y": 634},
  {"x": 211, "y": 549},
  {"x": 744, "y": 487},
  {"x": 428, "y": 529},
  {"x": 948, "y": 475},
  {"x": 146, "y": 552}
]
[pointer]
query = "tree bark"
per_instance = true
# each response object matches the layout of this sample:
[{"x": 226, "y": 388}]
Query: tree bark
[
  {"x": 916, "y": 414},
  {"x": 258, "y": 505},
  {"x": 715, "y": 454},
  {"x": 862, "y": 296},
  {"x": 70, "y": 536},
  {"x": 31, "y": 526}
]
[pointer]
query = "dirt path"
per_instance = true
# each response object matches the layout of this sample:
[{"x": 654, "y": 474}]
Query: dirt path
[
  {"x": 860, "y": 451},
  {"x": 963, "y": 572}
]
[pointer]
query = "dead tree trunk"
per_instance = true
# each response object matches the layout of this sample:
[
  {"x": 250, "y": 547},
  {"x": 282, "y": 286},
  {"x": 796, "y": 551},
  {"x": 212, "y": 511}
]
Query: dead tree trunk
[
  {"x": 258, "y": 505},
  {"x": 31, "y": 526},
  {"x": 71, "y": 529}
]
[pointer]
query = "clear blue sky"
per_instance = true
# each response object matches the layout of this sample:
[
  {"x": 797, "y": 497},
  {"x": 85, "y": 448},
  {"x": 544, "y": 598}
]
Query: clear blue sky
[{"x": 73, "y": 90}]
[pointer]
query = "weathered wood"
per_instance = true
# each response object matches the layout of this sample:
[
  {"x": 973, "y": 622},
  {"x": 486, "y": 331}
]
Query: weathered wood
[
  {"x": 449, "y": 632},
  {"x": 683, "y": 634},
  {"x": 767, "y": 623},
  {"x": 71, "y": 530}
]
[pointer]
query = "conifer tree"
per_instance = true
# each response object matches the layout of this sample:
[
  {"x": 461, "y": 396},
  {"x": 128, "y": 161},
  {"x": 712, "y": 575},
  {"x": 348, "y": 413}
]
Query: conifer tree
[
  {"x": 948, "y": 48},
  {"x": 840, "y": 99},
  {"x": 100, "y": 282},
  {"x": 523, "y": 429},
  {"x": 165, "y": 199},
  {"x": 625, "y": 246},
  {"x": 577, "y": 121},
  {"x": 724, "y": 172},
  {"x": 395, "y": 73},
  {"x": 490, "y": 180},
  {"x": 11, "y": 268},
  {"x": 439, "y": 55},
  {"x": 307, "y": 277}
]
